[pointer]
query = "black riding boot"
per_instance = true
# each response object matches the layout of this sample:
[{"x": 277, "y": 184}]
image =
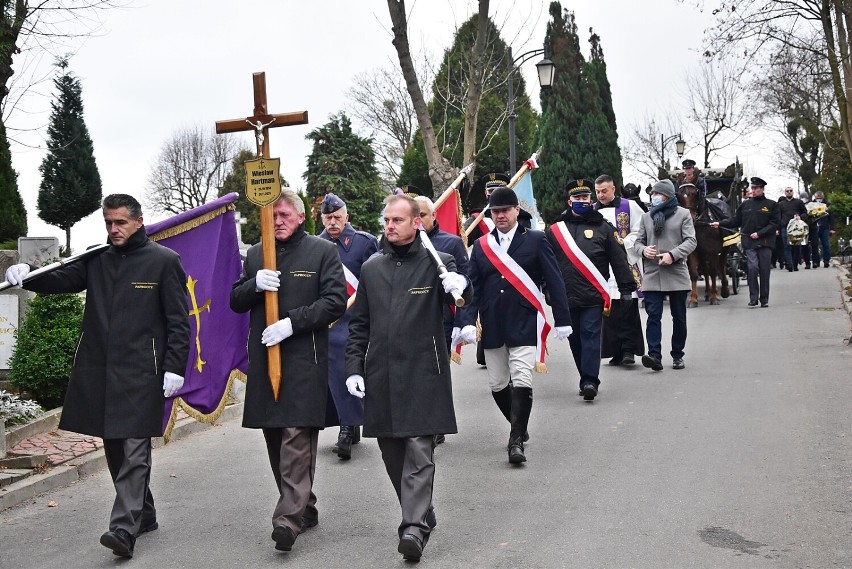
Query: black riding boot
[
  {"x": 503, "y": 399},
  {"x": 522, "y": 398},
  {"x": 348, "y": 436}
]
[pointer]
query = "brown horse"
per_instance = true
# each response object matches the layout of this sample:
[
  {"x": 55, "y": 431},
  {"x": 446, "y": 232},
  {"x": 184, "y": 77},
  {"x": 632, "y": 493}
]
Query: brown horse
[{"x": 709, "y": 257}]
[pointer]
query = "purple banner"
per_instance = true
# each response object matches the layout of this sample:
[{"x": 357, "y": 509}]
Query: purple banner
[{"x": 206, "y": 239}]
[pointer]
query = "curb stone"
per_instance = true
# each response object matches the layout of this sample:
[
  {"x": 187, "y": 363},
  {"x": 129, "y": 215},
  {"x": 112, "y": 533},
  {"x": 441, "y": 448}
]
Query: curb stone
[{"x": 95, "y": 461}]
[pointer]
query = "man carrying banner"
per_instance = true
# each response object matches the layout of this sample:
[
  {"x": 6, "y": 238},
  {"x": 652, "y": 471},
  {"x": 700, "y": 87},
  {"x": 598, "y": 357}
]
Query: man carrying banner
[
  {"x": 405, "y": 378},
  {"x": 586, "y": 246},
  {"x": 311, "y": 295},
  {"x": 507, "y": 268},
  {"x": 354, "y": 248},
  {"x": 132, "y": 354},
  {"x": 622, "y": 332}
]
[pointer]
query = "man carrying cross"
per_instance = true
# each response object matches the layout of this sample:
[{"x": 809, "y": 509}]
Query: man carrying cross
[{"x": 311, "y": 293}]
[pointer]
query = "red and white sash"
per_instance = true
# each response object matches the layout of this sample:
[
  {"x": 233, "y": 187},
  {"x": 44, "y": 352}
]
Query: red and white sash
[
  {"x": 522, "y": 282},
  {"x": 489, "y": 223},
  {"x": 582, "y": 262},
  {"x": 351, "y": 280}
]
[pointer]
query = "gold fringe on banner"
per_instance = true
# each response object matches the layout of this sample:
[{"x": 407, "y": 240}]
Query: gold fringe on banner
[
  {"x": 455, "y": 357},
  {"x": 198, "y": 415},
  {"x": 191, "y": 224},
  {"x": 540, "y": 367}
]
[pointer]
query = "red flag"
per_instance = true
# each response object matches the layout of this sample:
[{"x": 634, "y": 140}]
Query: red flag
[{"x": 449, "y": 214}]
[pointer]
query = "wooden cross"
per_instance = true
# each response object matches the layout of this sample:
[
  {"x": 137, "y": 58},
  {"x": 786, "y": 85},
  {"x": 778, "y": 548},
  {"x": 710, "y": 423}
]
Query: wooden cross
[{"x": 260, "y": 122}]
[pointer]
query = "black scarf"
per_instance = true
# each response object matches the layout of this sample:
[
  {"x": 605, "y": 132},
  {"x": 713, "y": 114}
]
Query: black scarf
[{"x": 660, "y": 213}]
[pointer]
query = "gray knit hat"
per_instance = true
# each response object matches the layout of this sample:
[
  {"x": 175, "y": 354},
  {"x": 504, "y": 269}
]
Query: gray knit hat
[{"x": 664, "y": 187}]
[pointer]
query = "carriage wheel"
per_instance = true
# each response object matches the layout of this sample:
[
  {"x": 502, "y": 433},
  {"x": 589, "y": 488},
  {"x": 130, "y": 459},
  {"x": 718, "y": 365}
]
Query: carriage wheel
[{"x": 734, "y": 271}]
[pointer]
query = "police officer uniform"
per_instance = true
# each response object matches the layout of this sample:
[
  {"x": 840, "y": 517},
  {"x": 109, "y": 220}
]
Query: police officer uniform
[
  {"x": 343, "y": 409},
  {"x": 597, "y": 239}
]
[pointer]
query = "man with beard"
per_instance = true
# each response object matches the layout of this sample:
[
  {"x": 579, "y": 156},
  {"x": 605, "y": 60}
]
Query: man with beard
[
  {"x": 586, "y": 246},
  {"x": 354, "y": 248},
  {"x": 622, "y": 331},
  {"x": 405, "y": 377},
  {"x": 311, "y": 295}
]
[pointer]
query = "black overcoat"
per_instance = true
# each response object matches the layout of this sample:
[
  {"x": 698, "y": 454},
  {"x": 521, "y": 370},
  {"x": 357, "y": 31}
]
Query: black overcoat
[
  {"x": 396, "y": 343},
  {"x": 135, "y": 328},
  {"x": 312, "y": 295}
]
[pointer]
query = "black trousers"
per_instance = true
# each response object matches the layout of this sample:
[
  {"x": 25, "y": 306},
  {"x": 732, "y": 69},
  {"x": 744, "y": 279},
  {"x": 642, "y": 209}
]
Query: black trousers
[{"x": 129, "y": 463}]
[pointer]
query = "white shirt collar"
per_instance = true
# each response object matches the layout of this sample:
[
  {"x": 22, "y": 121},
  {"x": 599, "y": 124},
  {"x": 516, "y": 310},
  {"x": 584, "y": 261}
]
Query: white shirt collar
[{"x": 510, "y": 235}]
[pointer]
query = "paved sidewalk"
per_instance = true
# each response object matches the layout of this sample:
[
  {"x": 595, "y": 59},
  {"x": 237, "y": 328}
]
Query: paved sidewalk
[{"x": 71, "y": 456}]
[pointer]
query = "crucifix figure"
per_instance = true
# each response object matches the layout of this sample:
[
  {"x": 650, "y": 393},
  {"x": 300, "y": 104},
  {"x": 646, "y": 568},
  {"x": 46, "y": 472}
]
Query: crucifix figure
[{"x": 260, "y": 122}]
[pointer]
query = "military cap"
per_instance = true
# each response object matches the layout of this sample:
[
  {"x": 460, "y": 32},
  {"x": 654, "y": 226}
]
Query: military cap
[
  {"x": 331, "y": 203},
  {"x": 503, "y": 197},
  {"x": 410, "y": 191},
  {"x": 579, "y": 187},
  {"x": 688, "y": 163},
  {"x": 494, "y": 180},
  {"x": 758, "y": 182}
]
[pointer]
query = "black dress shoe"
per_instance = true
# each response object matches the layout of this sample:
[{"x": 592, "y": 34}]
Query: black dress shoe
[
  {"x": 120, "y": 541},
  {"x": 439, "y": 439},
  {"x": 764, "y": 305},
  {"x": 516, "y": 452},
  {"x": 284, "y": 538},
  {"x": 146, "y": 526},
  {"x": 306, "y": 523},
  {"x": 652, "y": 363},
  {"x": 616, "y": 361},
  {"x": 627, "y": 359},
  {"x": 678, "y": 363},
  {"x": 589, "y": 392},
  {"x": 825, "y": 264},
  {"x": 752, "y": 303},
  {"x": 431, "y": 518},
  {"x": 411, "y": 547}
]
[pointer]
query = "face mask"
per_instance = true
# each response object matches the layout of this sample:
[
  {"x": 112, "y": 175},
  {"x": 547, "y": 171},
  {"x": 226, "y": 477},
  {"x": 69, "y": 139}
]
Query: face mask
[
  {"x": 817, "y": 201},
  {"x": 657, "y": 200},
  {"x": 581, "y": 208}
]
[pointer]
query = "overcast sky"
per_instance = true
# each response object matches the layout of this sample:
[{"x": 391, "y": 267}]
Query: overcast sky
[{"x": 160, "y": 65}]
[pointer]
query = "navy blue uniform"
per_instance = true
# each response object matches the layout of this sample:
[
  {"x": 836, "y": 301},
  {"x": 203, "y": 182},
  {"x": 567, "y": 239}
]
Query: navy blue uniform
[
  {"x": 452, "y": 245},
  {"x": 354, "y": 248}
]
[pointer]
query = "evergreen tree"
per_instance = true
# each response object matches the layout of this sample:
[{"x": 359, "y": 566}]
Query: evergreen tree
[
  {"x": 71, "y": 185},
  {"x": 344, "y": 164},
  {"x": 447, "y": 111},
  {"x": 13, "y": 216},
  {"x": 577, "y": 129}
]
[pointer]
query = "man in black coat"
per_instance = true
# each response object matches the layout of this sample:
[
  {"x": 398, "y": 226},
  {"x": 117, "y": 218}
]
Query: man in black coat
[
  {"x": 758, "y": 219},
  {"x": 404, "y": 378},
  {"x": 131, "y": 355},
  {"x": 507, "y": 268},
  {"x": 311, "y": 295},
  {"x": 586, "y": 246},
  {"x": 789, "y": 207}
]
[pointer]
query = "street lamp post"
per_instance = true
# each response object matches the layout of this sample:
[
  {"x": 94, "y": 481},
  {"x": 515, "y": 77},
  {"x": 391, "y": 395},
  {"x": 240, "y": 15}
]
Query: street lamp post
[
  {"x": 680, "y": 146},
  {"x": 546, "y": 71}
]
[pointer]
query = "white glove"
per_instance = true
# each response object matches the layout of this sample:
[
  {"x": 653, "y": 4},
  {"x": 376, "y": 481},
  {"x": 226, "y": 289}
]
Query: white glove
[
  {"x": 277, "y": 333},
  {"x": 453, "y": 283},
  {"x": 562, "y": 332},
  {"x": 267, "y": 279},
  {"x": 16, "y": 273},
  {"x": 172, "y": 383},
  {"x": 355, "y": 385},
  {"x": 467, "y": 335},
  {"x": 454, "y": 338}
]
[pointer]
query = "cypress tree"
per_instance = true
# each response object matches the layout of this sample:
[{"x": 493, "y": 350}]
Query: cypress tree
[
  {"x": 577, "y": 130},
  {"x": 13, "y": 216},
  {"x": 344, "y": 164},
  {"x": 71, "y": 184}
]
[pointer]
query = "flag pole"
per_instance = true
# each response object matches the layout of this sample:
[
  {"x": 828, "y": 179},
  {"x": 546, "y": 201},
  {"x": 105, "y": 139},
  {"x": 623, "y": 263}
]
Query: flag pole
[{"x": 518, "y": 175}]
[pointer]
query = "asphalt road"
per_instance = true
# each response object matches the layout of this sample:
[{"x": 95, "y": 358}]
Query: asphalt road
[{"x": 742, "y": 460}]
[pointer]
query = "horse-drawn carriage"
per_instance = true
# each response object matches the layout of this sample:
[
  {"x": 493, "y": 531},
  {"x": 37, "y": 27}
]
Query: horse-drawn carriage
[{"x": 718, "y": 254}]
